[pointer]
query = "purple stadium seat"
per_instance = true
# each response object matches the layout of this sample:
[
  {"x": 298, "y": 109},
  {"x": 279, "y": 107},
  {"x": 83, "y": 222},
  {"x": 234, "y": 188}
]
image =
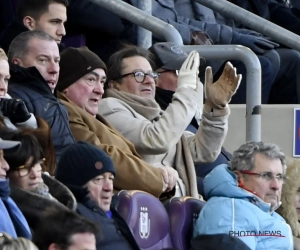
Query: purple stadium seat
[
  {"x": 147, "y": 219},
  {"x": 14, "y": 4},
  {"x": 183, "y": 212},
  {"x": 74, "y": 41}
]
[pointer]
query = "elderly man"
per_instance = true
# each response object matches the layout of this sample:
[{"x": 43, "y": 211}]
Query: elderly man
[
  {"x": 89, "y": 173},
  {"x": 48, "y": 16},
  {"x": 243, "y": 198},
  {"x": 34, "y": 70},
  {"x": 80, "y": 89}
]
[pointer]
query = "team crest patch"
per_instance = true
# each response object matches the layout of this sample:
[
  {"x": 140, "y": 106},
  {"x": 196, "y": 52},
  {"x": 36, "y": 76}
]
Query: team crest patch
[
  {"x": 176, "y": 49},
  {"x": 144, "y": 223}
]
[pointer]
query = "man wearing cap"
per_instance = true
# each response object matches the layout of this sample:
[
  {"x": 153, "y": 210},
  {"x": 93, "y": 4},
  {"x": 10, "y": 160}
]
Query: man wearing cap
[
  {"x": 167, "y": 60},
  {"x": 80, "y": 89},
  {"x": 12, "y": 220},
  {"x": 34, "y": 70},
  {"x": 89, "y": 173}
]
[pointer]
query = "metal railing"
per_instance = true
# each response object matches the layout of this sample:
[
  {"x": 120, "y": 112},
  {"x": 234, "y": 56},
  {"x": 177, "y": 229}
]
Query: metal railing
[
  {"x": 161, "y": 29},
  {"x": 253, "y": 80},
  {"x": 254, "y": 22},
  {"x": 144, "y": 36},
  {"x": 168, "y": 33}
]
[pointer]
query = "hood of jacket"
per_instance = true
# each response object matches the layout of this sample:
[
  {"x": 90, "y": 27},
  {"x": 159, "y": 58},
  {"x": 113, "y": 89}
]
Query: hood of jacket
[
  {"x": 289, "y": 190},
  {"x": 222, "y": 182},
  {"x": 33, "y": 205}
]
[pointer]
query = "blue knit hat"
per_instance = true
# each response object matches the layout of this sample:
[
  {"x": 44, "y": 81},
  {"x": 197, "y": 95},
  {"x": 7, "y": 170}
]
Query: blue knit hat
[{"x": 81, "y": 162}]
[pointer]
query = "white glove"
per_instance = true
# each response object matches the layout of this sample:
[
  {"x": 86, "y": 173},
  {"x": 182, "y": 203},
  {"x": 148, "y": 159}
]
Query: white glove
[{"x": 188, "y": 74}]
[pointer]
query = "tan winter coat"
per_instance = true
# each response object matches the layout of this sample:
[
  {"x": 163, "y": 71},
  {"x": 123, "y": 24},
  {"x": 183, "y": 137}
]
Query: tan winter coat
[
  {"x": 131, "y": 171},
  {"x": 289, "y": 190},
  {"x": 160, "y": 137}
]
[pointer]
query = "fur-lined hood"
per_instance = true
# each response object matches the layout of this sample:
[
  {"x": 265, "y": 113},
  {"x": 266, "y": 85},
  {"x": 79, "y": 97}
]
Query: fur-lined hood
[
  {"x": 33, "y": 205},
  {"x": 289, "y": 190}
]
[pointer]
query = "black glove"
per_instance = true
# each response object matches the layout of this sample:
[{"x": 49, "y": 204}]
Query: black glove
[
  {"x": 258, "y": 45},
  {"x": 15, "y": 110}
]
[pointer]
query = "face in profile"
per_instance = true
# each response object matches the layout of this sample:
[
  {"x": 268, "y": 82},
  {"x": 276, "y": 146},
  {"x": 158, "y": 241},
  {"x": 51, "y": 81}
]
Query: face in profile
[
  {"x": 4, "y": 77},
  {"x": 101, "y": 190},
  {"x": 51, "y": 22},
  {"x": 4, "y": 167},
  {"x": 44, "y": 55},
  {"x": 297, "y": 203},
  {"x": 28, "y": 176}
]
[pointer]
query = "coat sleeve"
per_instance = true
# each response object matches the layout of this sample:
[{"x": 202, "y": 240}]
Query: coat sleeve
[
  {"x": 132, "y": 172},
  {"x": 282, "y": 15},
  {"x": 152, "y": 137},
  {"x": 16, "y": 92},
  {"x": 230, "y": 216},
  {"x": 188, "y": 14},
  {"x": 206, "y": 144}
]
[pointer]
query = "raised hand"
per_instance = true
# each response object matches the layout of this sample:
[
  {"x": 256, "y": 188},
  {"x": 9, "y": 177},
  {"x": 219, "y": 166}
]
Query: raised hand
[{"x": 219, "y": 93}]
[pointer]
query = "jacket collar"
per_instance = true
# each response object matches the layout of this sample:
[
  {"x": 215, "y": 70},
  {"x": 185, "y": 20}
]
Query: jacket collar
[
  {"x": 64, "y": 197},
  {"x": 30, "y": 77}
]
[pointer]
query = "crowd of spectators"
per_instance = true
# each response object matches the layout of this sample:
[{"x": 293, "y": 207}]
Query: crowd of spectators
[{"x": 79, "y": 124}]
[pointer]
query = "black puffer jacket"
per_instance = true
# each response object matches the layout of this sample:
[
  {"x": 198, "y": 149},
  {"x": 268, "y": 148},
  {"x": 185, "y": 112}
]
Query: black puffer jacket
[
  {"x": 115, "y": 233},
  {"x": 28, "y": 85}
]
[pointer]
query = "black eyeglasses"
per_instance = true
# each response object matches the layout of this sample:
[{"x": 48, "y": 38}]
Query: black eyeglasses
[
  {"x": 140, "y": 76},
  {"x": 267, "y": 176}
]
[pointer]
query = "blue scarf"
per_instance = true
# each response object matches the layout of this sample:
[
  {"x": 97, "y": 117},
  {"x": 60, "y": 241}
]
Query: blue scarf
[{"x": 12, "y": 220}]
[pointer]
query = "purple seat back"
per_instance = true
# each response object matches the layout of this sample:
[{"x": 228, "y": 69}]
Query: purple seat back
[
  {"x": 14, "y": 4},
  {"x": 74, "y": 41},
  {"x": 183, "y": 212},
  {"x": 147, "y": 219}
]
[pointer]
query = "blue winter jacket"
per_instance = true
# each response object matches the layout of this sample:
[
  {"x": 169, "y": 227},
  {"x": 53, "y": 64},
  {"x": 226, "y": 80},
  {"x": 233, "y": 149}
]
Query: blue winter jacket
[{"x": 233, "y": 210}]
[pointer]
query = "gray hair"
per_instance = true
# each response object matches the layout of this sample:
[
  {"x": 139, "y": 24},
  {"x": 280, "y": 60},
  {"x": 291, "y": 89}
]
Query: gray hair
[
  {"x": 19, "y": 46},
  {"x": 9, "y": 243},
  {"x": 243, "y": 158}
]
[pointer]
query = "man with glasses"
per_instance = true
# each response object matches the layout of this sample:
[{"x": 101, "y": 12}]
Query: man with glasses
[
  {"x": 243, "y": 196},
  {"x": 80, "y": 86}
]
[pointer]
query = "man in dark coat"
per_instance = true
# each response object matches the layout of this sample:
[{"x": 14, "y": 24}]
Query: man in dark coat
[
  {"x": 89, "y": 173},
  {"x": 191, "y": 29},
  {"x": 276, "y": 11},
  {"x": 34, "y": 70},
  {"x": 105, "y": 32},
  {"x": 44, "y": 15}
]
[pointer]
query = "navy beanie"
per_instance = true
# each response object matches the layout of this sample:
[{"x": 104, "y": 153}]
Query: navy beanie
[{"x": 81, "y": 162}]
